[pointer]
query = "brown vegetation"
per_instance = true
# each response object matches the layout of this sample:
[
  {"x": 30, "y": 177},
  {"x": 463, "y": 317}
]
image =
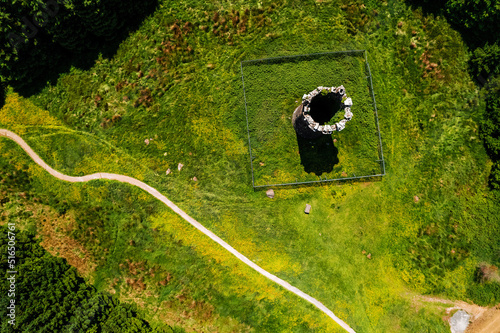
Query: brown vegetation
[{"x": 55, "y": 231}]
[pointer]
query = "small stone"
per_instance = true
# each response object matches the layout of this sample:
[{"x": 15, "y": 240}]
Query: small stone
[
  {"x": 416, "y": 199},
  {"x": 340, "y": 125},
  {"x": 348, "y": 114},
  {"x": 308, "y": 209},
  {"x": 369, "y": 256},
  {"x": 190, "y": 154},
  {"x": 261, "y": 163},
  {"x": 363, "y": 252},
  {"x": 194, "y": 179},
  {"x": 179, "y": 167},
  {"x": 210, "y": 66},
  {"x": 146, "y": 142},
  {"x": 270, "y": 193},
  {"x": 334, "y": 140},
  {"x": 344, "y": 174},
  {"x": 165, "y": 154},
  {"x": 168, "y": 172}
]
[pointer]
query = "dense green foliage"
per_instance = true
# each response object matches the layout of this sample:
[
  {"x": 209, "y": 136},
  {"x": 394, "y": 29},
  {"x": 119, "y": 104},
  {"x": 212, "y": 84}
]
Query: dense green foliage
[
  {"x": 173, "y": 94},
  {"x": 490, "y": 126},
  {"x": 51, "y": 297},
  {"x": 479, "y": 23},
  {"x": 38, "y": 36},
  {"x": 479, "y": 19},
  {"x": 485, "y": 61}
]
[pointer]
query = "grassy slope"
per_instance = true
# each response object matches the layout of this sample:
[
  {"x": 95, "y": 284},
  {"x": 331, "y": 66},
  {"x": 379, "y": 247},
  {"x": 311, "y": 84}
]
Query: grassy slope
[{"x": 199, "y": 110}]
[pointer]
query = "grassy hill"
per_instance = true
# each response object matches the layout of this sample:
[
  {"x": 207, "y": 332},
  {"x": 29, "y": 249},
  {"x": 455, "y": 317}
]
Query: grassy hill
[{"x": 173, "y": 94}]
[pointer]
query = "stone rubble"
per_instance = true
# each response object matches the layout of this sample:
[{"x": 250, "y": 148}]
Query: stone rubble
[{"x": 327, "y": 129}]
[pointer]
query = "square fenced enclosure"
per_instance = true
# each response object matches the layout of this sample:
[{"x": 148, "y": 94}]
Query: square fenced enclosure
[{"x": 273, "y": 89}]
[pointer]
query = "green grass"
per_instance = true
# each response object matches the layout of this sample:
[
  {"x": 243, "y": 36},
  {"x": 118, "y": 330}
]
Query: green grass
[
  {"x": 197, "y": 117},
  {"x": 274, "y": 89}
]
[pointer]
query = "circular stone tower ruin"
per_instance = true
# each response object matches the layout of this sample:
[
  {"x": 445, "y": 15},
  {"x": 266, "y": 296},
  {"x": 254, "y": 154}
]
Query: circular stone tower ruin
[{"x": 310, "y": 118}]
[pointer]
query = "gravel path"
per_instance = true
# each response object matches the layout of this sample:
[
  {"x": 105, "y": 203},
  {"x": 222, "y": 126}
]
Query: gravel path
[{"x": 193, "y": 222}]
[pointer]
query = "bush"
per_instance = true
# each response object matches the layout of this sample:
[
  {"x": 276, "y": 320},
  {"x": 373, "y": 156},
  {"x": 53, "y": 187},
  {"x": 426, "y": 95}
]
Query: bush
[
  {"x": 485, "y": 61},
  {"x": 485, "y": 294},
  {"x": 479, "y": 20},
  {"x": 494, "y": 179},
  {"x": 490, "y": 123}
]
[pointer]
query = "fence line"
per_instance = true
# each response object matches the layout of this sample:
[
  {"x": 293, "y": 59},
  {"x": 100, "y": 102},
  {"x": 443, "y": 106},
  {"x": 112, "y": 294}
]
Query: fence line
[
  {"x": 376, "y": 114},
  {"x": 367, "y": 67},
  {"x": 302, "y": 55},
  {"x": 248, "y": 126}
]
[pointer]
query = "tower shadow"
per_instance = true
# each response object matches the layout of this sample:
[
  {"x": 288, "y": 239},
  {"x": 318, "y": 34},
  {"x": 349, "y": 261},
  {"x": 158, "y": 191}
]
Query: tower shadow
[
  {"x": 318, "y": 155},
  {"x": 317, "y": 152}
]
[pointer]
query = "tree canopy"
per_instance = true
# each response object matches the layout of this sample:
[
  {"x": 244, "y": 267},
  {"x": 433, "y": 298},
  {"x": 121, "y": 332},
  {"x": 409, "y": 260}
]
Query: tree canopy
[{"x": 51, "y": 297}]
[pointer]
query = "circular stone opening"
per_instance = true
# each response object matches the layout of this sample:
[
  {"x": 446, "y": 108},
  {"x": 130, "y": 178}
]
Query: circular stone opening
[
  {"x": 310, "y": 119},
  {"x": 324, "y": 106}
]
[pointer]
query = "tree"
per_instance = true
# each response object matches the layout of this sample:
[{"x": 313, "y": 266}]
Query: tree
[
  {"x": 479, "y": 20},
  {"x": 36, "y": 34},
  {"x": 51, "y": 297}
]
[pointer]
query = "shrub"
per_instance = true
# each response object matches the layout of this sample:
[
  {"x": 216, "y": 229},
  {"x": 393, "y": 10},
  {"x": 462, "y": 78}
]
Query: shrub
[
  {"x": 494, "y": 179},
  {"x": 478, "y": 19},
  {"x": 485, "y": 61},
  {"x": 485, "y": 294},
  {"x": 490, "y": 124}
]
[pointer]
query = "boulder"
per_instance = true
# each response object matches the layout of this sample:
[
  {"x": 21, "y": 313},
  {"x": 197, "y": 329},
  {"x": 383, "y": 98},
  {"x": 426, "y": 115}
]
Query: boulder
[
  {"x": 459, "y": 321},
  {"x": 270, "y": 193}
]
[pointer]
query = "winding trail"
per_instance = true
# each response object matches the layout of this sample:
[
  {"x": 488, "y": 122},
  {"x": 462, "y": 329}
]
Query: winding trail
[{"x": 166, "y": 201}]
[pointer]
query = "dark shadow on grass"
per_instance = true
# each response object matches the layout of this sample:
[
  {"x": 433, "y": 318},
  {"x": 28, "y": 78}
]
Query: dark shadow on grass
[{"x": 318, "y": 155}]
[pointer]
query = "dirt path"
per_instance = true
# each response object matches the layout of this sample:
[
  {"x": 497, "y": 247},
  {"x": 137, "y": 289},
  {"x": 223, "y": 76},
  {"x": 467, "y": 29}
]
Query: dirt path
[
  {"x": 166, "y": 201},
  {"x": 483, "y": 320},
  {"x": 489, "y": 322}
]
